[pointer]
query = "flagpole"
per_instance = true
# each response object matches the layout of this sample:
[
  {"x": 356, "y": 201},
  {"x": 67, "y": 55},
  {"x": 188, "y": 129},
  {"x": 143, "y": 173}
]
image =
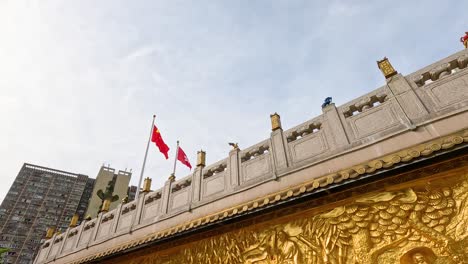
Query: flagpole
[
  {"x": 144, "y": 160},
  {"x": 175, "y": 160}
]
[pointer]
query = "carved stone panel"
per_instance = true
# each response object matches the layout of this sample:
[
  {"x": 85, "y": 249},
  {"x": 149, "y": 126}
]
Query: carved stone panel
[
  {"x": 150, "y": 210},
  {"x": 449, "y": 91},
  {"x": 213, "y": 185},
  {"x": 308, "y": 147},
  {"x": 104, "y": 229},
  {"x": 41, "y": 255},
  {"x": 180, "y": 198},
  {"x": 256, "y": 168},
  {"x": 125, "y": 220},
  {"x": 85, "y": 236},
  {"x": 54, "y": 250},
  {"x": 375, "y": 120},
  {"x": 69, "y": 243}
]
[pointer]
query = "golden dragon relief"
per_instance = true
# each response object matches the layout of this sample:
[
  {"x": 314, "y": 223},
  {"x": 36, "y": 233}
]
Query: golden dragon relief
[{"x": 424, "y": 224}]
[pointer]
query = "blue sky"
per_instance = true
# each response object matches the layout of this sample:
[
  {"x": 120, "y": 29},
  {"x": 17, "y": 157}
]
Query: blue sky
[{"x": 80, "y": 80}]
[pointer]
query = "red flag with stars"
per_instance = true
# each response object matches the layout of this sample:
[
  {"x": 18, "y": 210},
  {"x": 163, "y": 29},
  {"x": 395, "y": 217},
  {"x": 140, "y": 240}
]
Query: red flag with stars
[
  {"x": 182, "y": 157},
  {"x": 156, "y": 138}
]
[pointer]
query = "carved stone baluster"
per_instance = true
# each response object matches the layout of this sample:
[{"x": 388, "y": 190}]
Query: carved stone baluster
[
  {"x": 198, "y": 176},
  {"x": 407, "y": 99},
  {"x": 166, "y": 192},
  {"x": 65, "y": 237},
  {"x": 334, "y": 129},
  {"x": 96, "y": 228},
  {"x": 232, "y": 179},
  {"x": 278, "y": 145},
  {"x": 51, "y": 241},
  {"x": 118, "y": 213},
  {"x": 78, "y": 236},
  {"x": 141, "y": 203}
]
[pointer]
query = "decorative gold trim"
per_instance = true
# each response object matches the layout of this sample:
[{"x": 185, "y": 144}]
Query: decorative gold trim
[
  {"x": 201, "y": 158},
  {"x": 147, "y": 185},
  {"x": 275, "y": 121},
  {"x": 50, "y": 232},
  {"x": 74, "y": 220},
  {"x": 386, "y": 67},
  {"x": 369, "y": 167}
]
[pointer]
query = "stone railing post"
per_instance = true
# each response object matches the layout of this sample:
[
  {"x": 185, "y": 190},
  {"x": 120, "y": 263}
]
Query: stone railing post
[
  {"x": 139, "y": 209},
  {"x": 334, "y": 130},
  {"x": 141, "y": 202},
  {"x": 278, "y": 144},
  {"x": 233, "y": 163},
  {"x": 406, "y": 97},
  {"x": 118, "y": 213},
  {"x": 52, "y": 241},
  {"x": 78, "y": 236},
  {"x": 65, "y": 237},
  {"x": 96, "y": 228},
  {"x": 166, "y": 192},
  {"x": 198, "y": 176}
]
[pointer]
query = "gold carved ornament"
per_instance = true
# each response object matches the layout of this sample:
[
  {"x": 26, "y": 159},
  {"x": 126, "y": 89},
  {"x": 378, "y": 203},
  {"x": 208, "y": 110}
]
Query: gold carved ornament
[
  {"x": 403, "y": 226},
  {"x": 275, "y": 121},
  {"x": 201, "y": 158},
  {"x": 386, "y": 67}
]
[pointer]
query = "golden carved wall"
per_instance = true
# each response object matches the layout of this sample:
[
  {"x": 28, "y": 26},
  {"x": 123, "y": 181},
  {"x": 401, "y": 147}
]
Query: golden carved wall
[{"x": 423, "y": 220}]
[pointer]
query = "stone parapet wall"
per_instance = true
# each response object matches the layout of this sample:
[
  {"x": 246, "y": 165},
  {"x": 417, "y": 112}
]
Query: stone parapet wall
[{"x": 408, "y": 110}]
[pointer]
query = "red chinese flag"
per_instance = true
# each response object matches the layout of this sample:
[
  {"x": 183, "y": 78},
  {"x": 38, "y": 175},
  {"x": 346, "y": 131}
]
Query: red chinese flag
[
  {"x": 156, "y": 138},
  {"x": 182, "y": 157}
]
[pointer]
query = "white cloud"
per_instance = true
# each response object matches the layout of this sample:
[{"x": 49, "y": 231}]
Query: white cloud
[
  {"x": 344, "y": 8},
  {"x": 141, "y": 52}
]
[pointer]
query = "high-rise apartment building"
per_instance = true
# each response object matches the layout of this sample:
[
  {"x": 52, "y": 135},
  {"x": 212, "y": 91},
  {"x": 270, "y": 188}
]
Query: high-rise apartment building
[{"x": 40, "y": 198}]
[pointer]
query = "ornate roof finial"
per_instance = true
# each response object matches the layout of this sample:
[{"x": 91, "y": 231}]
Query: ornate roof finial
[
  {"x": 275, "y": 121},
  {"x": 147, "y": 184},
  {"x": 464, "y": 40},
  {"x": 201, "y": 158},
  {"x": 386, "y": 68}
]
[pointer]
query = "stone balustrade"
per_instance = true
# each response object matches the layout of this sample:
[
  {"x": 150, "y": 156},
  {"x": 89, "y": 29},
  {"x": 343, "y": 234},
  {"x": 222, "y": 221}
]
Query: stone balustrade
[
  {"x": 306, "y": 140},
  {"x": 180, "y": 195},
  {"x": 214, "y": 180},
  {"x": 401, "y": 105},
  {"x": 365, "y": 103},
  {"x": 447, "y": 67}
]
